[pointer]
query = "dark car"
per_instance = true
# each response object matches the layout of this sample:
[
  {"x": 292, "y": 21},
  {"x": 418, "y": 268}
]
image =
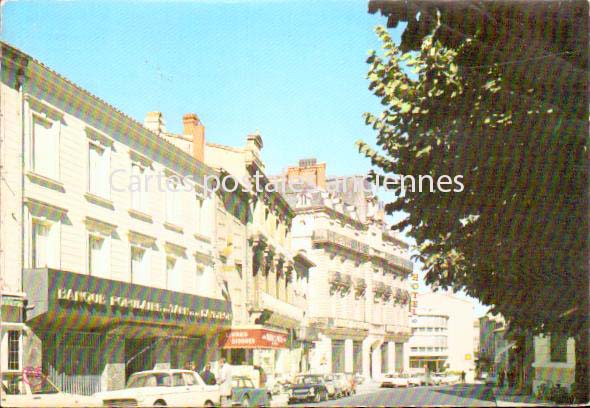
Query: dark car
[
  {"x": 245, "y": 394},
  {"x": 308, "y": 387}
]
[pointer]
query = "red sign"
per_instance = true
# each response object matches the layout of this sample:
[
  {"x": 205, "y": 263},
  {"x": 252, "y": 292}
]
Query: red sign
[{"x": 253, "y": 339}]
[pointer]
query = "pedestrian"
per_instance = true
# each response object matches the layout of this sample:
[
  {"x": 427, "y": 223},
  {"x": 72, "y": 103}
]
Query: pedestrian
[
  {"x": 208, "y": 376},
  {"x": 463, "y": 376},
  {"x": 225, "y": 383},
  {"x": 501, "y": 377}
]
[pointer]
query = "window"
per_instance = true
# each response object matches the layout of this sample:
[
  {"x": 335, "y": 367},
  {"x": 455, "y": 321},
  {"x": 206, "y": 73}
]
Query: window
[
  {"x": 198, "y": 214},
  {"x": 177, "y": 380},
  {"x": 14, "y": 350},
  {"x": 173, "y": 200},
  {"x": 45, "y": 147},
  {"x": 98, "y": 170},
  {"x": 199, "y": 275},
  {"x": 190, "y": 379},
  {"x": 173, "y": 274},
  {"x": 44, "y": 244},
  {"x": 99, "y": 256},
  {"x": 140, "y": 272},
  {"x": 139, "y": 188},
  {"x": 558, "y": 348}
]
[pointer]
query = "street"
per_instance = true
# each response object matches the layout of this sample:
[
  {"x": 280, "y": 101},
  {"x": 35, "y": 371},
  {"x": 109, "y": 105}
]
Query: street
[{"x": 451, "y": 395}]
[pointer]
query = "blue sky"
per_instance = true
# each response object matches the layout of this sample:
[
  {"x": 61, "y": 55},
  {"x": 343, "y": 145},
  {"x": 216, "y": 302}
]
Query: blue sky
[{"x": 295, "y": 70}]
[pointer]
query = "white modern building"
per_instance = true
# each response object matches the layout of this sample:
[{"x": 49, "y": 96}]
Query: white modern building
[
  {"x": 443, "y": 334},
  {"x": 429, "y": 342}
]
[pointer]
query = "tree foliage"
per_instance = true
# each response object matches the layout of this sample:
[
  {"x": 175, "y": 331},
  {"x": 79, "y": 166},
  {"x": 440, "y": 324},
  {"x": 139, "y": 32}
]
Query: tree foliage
[{"x": 483, "y": 105}]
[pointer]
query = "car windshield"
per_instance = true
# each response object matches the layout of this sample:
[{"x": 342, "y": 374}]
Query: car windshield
[
  {"x": 307, "y": 379},
  {"x": 13, "y": 384},
  {"x": 149, "y": 380}
]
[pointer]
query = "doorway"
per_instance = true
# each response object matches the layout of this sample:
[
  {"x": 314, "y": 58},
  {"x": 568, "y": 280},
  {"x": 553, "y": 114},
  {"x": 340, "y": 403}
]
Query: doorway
[{"x": 138, "y": 355}]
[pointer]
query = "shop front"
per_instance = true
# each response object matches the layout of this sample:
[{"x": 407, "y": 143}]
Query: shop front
[
  {"x": 89, "y": 334},
  {"x": 257, "y": 346}
]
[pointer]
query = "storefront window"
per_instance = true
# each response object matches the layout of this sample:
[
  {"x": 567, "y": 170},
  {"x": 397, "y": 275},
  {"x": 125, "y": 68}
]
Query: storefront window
[{"x": 384, "y": 359}]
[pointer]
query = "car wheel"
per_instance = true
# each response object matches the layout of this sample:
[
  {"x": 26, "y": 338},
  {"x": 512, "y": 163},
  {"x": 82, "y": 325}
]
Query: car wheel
[
  {"x": 325, "y": 396},
  {"x": 159, "y": 403},
  {"x": 209, "y": 404},
  {"x": 245, "y": 401}
]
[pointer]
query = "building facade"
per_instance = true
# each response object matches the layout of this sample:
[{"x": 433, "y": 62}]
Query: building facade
[
  {"x": 269, "y": 284},
  {"x": 441, "y": 317},
  {"x": 103, "y": 240},
  {"x": 491, "y": 333},
  {"x": 429, "y": 350},
  {"x": 555, "y": 361},
  {"x": 358, "y": 299}
]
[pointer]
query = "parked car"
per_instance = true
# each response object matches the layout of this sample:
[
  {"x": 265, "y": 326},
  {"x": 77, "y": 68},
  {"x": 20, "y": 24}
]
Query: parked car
[
  {"x": 416, "y": 380},
  {"x": 359, "y": 379},
  {"x": 308, "y": 387},
  {"x": 333, "y": 386},
  {"x": 244, "y": 393},
  {"x": 22, "y": 390},
  {"x": 444, "y": 378},
  {"x": 491, "y": 379},
  {"x": 352, "y": 380},
  {"x": 394, "y": 380},
  {"x": 345, "y": 383},
  {"x": 180, "y": 388},
  {"x": 452, "y": 378},
  {"x": 278, "y": 385}
]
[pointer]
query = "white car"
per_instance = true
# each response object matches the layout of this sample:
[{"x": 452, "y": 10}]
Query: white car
[
  {"x": 331, "y": 385},
  {"x": 345, "y": 384},
  {"x": 416, "y": 380},
  {"x": 444, "y": 379},
  {"x": 36, "y": 390},
  {"x": 394, "y": 380},
  {"x": 176, "y": 388}
]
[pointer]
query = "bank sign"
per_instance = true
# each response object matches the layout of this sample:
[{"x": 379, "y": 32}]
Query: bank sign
[{"x": 61, "y": 295}]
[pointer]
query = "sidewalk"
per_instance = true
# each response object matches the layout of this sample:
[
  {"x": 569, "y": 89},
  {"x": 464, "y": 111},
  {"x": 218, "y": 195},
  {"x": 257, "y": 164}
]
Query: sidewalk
[{"x": 508, "y": 398}]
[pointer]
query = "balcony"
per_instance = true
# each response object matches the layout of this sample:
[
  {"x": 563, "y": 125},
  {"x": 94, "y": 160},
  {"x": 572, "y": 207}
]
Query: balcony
[
  {"x": 394, "y": 260},
  {"x": 282, "y": 308},
  {"x": 327, "y": 237},
  {"x": 333, "y": 238}
]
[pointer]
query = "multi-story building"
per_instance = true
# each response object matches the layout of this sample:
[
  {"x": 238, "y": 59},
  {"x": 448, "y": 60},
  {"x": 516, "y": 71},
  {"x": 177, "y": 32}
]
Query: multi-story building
[
  {"x": 441, "y": 317},
  {"x": 267, "y": 280},
  {"x": 358, "y": 292},
  {"x": 104, "y": 239},
  {"x": 491, "y": 331},
  {"x": 429, "y": 342},
  {"x": 554, "y": 361}
]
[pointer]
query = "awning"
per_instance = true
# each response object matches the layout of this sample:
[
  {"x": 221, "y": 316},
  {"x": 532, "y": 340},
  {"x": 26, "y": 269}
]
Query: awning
[
  {"x": 253, "y": 338},
  {"x": 60, "y": 299}
]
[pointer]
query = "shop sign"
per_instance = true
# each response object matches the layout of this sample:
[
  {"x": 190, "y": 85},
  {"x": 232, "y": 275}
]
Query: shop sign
[
  {"x": 254, "y": 339},
  {"x": 55, "y": 293}
]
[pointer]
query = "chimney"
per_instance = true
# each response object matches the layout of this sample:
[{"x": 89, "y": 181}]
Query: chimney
[
  {"x": 195, "y": 129},
  {"x": 309, "y": 171},
  {"x": 154, "y": 121},
  {"x": 254, "y": 142}
]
